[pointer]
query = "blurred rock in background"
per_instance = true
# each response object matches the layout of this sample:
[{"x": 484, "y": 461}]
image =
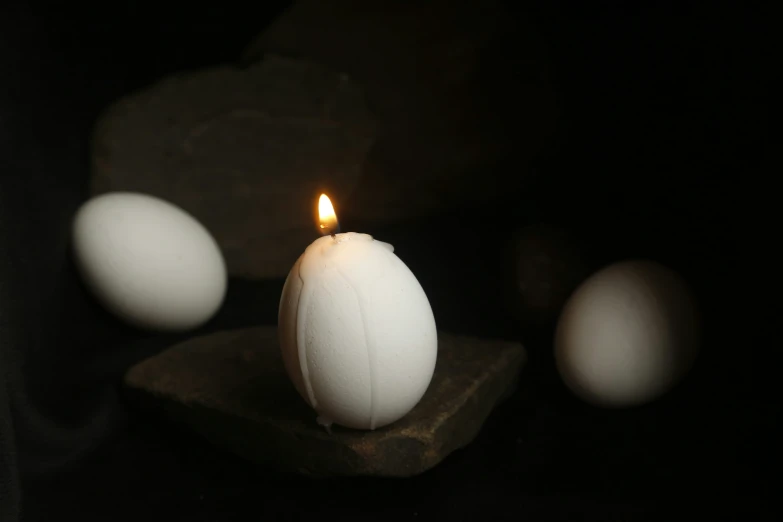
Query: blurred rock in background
[
  {"x": 460, "y": 89},
  {"x": 547, "y": 263},
  {"x": 245, "y": 151},
  {"x": 458, "y": 99}
]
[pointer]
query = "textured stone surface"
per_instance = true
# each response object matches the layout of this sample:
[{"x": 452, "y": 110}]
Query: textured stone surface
[
  {"x": 460, "y": 90},
  {"x": 246, "y": 151},
  {"x": 231, "y": 388}
]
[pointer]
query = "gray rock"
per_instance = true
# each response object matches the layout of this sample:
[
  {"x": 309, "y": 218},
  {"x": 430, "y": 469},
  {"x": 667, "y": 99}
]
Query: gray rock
[
  {"x": 246, "y": 151},
  {"x": 460, "y": 90},
  {"x": 231, "y": 388}
]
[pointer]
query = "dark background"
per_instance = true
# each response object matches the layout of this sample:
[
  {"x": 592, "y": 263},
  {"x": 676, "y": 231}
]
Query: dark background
[{"x": 662, "y": 153}]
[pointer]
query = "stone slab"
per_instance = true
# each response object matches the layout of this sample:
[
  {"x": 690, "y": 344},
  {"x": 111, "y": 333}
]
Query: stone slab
[{"x": 231, "y": 388}]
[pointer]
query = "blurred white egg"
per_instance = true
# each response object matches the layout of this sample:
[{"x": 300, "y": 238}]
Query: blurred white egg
[
  {"x": 627, "y": 334},
  {"x": 148, "y": 262}
]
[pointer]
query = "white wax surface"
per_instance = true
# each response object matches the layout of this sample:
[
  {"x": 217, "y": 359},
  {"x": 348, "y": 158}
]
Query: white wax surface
[
  {"x": 357, "y": 332},
  {"x": 148, "y": 261}
]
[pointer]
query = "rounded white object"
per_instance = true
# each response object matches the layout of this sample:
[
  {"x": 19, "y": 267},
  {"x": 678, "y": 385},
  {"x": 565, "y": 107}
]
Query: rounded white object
[
  {"x": 148, "y": 261},
  {"x": 357, "y": 332},
  {"x": 627, "y": 334}
]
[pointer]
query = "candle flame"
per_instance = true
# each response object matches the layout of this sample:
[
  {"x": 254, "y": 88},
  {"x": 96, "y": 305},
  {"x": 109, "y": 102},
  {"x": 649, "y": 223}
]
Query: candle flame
[{"x": 327, "y": 218}]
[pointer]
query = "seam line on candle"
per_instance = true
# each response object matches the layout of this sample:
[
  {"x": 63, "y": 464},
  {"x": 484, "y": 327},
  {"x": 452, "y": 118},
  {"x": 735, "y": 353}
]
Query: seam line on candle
[
  {"x": 370, "y": 353},
  {"x": 300, "y": 341}
]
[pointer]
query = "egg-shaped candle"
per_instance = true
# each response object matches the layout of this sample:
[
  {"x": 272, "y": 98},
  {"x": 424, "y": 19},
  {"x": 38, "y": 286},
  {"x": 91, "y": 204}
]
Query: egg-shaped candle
[{"x": 356, "y": 329}]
